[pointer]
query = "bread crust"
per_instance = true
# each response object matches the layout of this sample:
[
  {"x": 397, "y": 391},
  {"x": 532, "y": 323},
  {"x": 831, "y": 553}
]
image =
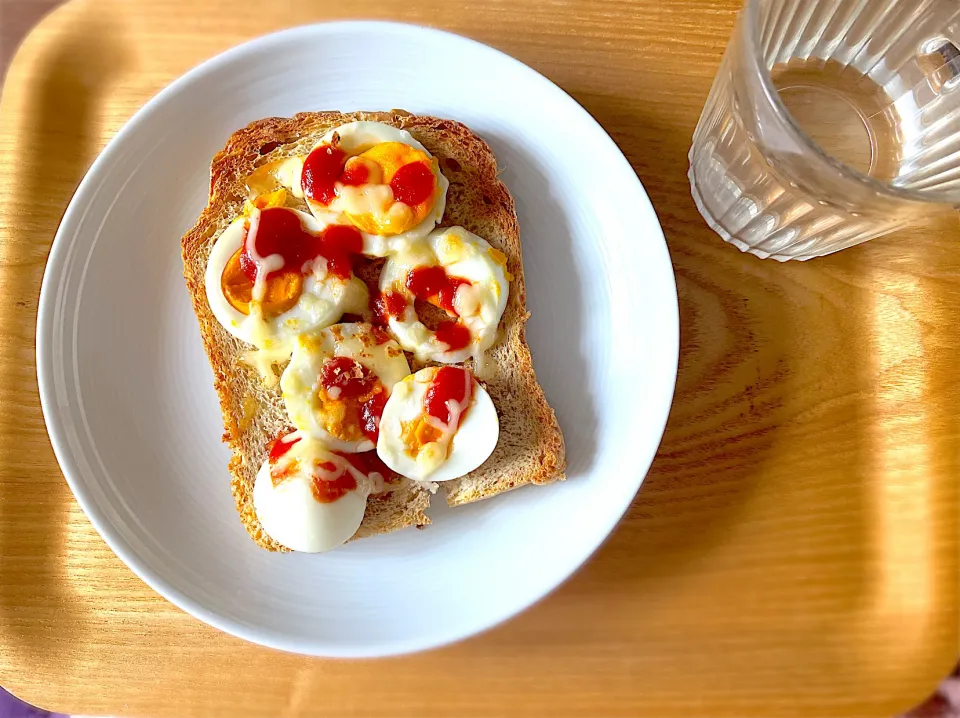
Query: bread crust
[{"x": 531, "y": 447}]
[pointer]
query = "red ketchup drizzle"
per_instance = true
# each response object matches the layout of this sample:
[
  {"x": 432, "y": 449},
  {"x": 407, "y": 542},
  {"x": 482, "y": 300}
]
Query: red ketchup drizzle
[
  {"x": 278, "y": 447},
  {"x": 275, "y": 450},
  {"x": 355, "y": 382},
  {"x": 348, "y": 375},
  {"x": 454, "y": 334},
  {"x": 413, "y": 183},
  {"x": 324, "y": 491},
  {"x": 370, "y": 413},
  {"x": 327, "y": 491},
  {"x": 280, "y": 232},
  {"x": 355, "y": 174},
  {"x": 340, "y": 244},
  {"x": 386, "y": 305},
  {"x": 368, "y": 462},
  {"x": 449, "y": 384},
  {"x": 321, "y": 170},
  {"x": 433, "y": 283}
]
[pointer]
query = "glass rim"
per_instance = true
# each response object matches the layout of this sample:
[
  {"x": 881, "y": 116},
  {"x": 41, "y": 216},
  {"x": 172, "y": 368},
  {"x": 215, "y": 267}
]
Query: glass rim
[{"x": 751, "y": 31}]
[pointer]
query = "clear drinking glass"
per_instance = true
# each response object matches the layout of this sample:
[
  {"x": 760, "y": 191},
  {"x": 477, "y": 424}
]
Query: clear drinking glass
[{"x": 830, "y": 122}]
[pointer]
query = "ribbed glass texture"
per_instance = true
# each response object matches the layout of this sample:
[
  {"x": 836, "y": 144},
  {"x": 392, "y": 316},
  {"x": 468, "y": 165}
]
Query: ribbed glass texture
[{"x": 830, "y": 122}]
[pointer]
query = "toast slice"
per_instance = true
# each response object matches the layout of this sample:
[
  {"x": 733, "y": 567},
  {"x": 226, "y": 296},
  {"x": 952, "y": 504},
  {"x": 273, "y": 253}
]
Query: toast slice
[{"x": 531, "y": 447}]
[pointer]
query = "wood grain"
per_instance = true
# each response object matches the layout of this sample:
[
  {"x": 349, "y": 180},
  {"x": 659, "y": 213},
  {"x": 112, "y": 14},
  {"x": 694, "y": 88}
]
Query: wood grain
[{"x": 793, "y": 551}]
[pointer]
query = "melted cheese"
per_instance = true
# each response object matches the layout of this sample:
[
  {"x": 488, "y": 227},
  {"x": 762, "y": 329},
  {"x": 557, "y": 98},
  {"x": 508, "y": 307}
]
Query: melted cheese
[
  {"x": 468, "y": 300},
  {"x": 288, "y": 174},
  {"x": 264, "y": 360},
  {"x": 363, "y": 199},
  {"x": 283, "y": 173}
]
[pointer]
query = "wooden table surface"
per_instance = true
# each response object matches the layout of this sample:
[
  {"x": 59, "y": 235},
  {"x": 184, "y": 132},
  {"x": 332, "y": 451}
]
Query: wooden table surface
[{"x": 793, "y": 551}]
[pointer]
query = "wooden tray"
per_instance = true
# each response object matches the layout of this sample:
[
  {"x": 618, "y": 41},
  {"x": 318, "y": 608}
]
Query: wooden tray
[{"x": 793, "y": 551}]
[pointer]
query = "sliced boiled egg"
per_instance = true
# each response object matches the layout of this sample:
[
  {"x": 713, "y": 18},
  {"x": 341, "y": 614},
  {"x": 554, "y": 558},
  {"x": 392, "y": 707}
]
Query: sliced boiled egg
[
  {"x": 456, "y": 271},
  {"x": 338, "y": 381},
  {"x": 377, "y": 178},
  {"x": 276, "y": 272},
  {"x": 311, "y": 499},
  {"x": 438, "y": 424}
]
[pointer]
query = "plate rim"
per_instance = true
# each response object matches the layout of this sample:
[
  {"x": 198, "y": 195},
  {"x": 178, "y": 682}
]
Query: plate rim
[{"x": 59, "y": 253}]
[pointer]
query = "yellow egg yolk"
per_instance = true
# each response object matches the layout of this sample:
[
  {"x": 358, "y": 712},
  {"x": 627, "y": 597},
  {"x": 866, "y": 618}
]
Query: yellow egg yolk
[
  {"x": 282, "y": 291},
  {"x": 389, "y": 189}
]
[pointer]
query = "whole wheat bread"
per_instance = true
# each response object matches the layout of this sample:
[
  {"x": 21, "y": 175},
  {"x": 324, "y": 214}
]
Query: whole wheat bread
[{"x": 530, "y": 449}]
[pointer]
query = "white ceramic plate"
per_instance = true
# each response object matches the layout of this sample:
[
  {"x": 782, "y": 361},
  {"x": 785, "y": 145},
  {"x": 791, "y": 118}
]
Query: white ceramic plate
[{"x": 128, "y": 395}]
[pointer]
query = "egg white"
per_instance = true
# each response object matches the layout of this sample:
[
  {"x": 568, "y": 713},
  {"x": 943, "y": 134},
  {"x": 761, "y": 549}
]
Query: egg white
[
  {"x": 324, "y": 299},
  {"x": 300, "y": 381},
  {"x": 291, "y": 515},
  {"x": 357, "y": 137},
  {"x": 462, "y": 254},
  {"x": 472, "y": 444}
]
